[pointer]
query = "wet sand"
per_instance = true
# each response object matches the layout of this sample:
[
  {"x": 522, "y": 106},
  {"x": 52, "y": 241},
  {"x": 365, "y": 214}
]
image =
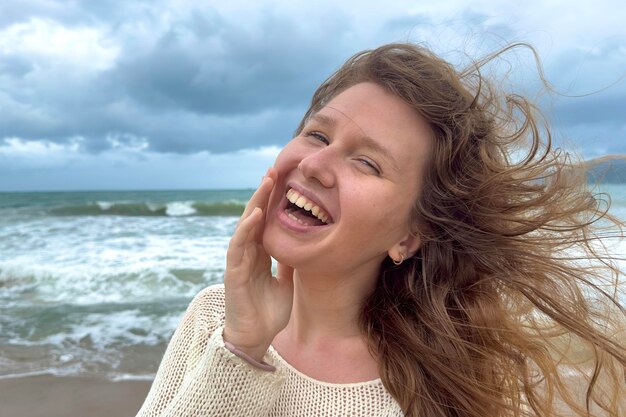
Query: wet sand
[{"x": 50, "y": 396}]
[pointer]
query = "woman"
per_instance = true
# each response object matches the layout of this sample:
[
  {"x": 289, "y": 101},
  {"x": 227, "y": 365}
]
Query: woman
[{"x": 421, "y": 270}]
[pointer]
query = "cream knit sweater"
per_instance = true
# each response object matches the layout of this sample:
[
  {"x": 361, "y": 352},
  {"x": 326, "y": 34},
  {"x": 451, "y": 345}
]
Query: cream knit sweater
[{"x": 200, "y": 377}]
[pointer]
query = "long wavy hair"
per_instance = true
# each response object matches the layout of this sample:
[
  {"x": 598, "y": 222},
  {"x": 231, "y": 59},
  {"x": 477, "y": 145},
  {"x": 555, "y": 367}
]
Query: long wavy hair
[{"x": 510, "y": 307}]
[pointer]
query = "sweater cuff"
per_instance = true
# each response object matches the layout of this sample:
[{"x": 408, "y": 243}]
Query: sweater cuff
[
  {"x": 259, "y": 365},
  {"x": 266, "y": 366}
]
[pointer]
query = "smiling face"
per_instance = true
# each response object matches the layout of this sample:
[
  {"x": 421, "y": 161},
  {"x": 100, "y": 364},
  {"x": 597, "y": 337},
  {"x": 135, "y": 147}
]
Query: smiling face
[{"x": 355, "y": 169}]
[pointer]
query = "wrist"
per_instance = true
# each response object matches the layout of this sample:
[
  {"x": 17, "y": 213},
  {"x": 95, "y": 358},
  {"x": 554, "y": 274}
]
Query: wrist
[
  {"x": 257, "y": 364},
  {"x": 253, "y": 351}
]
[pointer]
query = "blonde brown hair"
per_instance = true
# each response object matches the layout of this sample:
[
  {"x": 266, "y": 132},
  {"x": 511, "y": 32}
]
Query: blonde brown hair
[{"x": 510, "y": 307}]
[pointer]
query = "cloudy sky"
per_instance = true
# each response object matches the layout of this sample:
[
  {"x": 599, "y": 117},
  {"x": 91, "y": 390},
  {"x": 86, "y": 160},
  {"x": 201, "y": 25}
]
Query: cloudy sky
[{"x": 163, "y": 94}]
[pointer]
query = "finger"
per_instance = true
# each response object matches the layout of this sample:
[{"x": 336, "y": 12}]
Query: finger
[
  {"x": 261, "y": 196},
  {"x": 271, "y": 172},
  {"x": 244, "y": 233},
  {"x": 262, "y": 200}
]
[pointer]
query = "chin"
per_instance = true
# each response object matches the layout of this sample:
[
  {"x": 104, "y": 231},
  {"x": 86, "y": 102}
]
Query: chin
[
  {"x": 286, "y": 252},
  {"x": 271, "y": 241},
  {"x": 277, "y": 248}
]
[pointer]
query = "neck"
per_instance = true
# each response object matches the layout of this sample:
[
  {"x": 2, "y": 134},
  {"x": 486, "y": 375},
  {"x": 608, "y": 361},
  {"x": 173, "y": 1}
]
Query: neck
[
  {"x": 327, "y": 309},
  {"x": 323, "y": 338}
]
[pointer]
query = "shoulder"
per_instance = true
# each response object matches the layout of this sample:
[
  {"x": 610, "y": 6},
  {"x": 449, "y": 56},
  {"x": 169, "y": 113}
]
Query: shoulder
[
  {"x": 211, "y": 298},
  {"x": 207, "y": 307}
]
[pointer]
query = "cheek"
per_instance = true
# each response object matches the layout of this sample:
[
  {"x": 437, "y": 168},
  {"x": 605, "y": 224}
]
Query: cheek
[
  {"x": 286, "y": 161},
  {"x": 386, "y": 212}
]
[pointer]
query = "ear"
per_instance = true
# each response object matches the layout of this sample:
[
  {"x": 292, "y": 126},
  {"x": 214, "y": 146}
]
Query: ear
[{"x": 406, "y": 247}]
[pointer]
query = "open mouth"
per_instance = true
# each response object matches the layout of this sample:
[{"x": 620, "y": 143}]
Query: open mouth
[{"x": 305, "y": 211}]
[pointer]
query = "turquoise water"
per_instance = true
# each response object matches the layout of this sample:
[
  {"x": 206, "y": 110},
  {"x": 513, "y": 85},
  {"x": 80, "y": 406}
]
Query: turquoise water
[{"x": 96, "y": 282}]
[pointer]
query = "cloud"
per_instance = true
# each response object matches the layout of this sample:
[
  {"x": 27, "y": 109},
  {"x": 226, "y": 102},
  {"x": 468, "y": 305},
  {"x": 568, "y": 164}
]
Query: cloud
[
  {"x": 192, "y": 82},
  {"x": 210, "y": 65},
  {"x": 16, "y": 154},
  {"x": 126, "y": 165},
  {"x": 594, "y": 109},
  {"x": 44, "y": 40},
  {"x": 196, "y": 77}
]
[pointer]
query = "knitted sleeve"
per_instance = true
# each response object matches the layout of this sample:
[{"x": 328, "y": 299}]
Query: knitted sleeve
[{"x": 199, "y": 376}]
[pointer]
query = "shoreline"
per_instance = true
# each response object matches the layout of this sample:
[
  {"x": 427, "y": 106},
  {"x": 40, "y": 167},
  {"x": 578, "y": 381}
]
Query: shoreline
[{"x": 71, "y": 396}]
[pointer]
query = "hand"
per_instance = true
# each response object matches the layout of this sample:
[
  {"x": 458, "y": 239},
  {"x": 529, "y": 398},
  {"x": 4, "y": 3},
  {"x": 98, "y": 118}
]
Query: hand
[{"x": 258, "y": 305}]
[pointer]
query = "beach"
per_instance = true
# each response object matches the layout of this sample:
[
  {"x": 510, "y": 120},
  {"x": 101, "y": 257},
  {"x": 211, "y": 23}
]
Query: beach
[
  {"x": 93, "y": 285},
  {"x": 52, "y": 396}
]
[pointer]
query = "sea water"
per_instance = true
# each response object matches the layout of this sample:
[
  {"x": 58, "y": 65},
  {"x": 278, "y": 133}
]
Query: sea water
[{"x": 94, "y": 283}]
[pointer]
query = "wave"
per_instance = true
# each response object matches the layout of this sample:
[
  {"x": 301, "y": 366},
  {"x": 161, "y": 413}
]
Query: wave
[
  {"x": 110, "y": 340},
  {"x": 170, "y": 209}
]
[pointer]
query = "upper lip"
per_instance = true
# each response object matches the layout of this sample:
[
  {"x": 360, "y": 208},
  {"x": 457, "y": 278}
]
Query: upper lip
[{"x": 311, "y": 196}]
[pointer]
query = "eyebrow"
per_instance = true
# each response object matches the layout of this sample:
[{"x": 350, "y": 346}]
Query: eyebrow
[{"x": 368, "y": 142}]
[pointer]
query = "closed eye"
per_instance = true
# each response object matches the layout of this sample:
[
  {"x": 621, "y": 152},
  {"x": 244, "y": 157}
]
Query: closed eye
[
  {"x": 370, "y": 165},
  {"x": 318, "y": 136}
]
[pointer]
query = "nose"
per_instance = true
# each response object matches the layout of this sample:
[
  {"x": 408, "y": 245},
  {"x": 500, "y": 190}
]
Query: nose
[{"x": 320, "y": 166}]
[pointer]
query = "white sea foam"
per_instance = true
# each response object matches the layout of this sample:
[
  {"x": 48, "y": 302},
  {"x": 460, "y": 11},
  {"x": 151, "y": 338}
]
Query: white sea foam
[
  {"x": 105, "y": 205},
  {"x": 154, "y": 206},
  {"x": 180, "y": 208},
  {"x": 102, "y": 331},
  {"x": 103, "y": 294},
  {"x": 132, "y": 377},
  {"x": 88, "y": 294},
  {"x": 113, "y": 259}
]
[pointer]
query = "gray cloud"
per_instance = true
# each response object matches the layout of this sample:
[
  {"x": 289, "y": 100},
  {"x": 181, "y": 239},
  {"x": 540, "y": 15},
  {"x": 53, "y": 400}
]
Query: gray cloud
[
  {"x": 200, "y": 80},
  {"x": 207, "y": 65},
  {"x": 594, "y": 109},
  {"x": 76, "y": 13},
  {"x": 408, "y": 22},
  {"x": 198, "y": 83},
  {"x": 27, "y": 9}
]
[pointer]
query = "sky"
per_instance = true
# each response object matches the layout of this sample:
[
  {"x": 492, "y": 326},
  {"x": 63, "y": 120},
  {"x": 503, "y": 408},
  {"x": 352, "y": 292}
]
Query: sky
[{"x": 188, "y": 94}]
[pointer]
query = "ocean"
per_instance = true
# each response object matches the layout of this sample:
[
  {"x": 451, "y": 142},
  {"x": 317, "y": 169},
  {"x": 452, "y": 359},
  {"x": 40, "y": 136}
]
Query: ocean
[{"x": 94, "y": 283}]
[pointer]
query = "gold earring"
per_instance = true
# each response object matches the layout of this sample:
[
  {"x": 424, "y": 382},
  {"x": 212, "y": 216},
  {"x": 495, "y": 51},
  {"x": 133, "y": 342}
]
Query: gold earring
[{"x": 398, "y": 263}]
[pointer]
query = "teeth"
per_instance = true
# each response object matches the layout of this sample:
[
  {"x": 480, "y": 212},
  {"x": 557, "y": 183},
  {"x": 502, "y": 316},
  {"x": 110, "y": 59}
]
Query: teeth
[
  {"x": 295, "y": 218},
  {"x": 301, "y": 201}
]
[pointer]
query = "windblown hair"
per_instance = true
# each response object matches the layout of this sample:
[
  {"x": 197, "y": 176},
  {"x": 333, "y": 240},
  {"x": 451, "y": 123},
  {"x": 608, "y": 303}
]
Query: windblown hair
[{"x": 510, "y": 307}]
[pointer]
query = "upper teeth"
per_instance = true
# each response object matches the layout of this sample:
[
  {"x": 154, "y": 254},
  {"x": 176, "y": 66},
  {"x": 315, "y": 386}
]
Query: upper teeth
[{"x": 303, "y": 202}]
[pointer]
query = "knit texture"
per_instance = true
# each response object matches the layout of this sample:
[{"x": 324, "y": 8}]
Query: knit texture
[{"x": 200, "y": 377}]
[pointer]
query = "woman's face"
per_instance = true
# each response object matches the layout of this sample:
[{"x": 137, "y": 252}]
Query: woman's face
[{"x": 356, "y": 169}]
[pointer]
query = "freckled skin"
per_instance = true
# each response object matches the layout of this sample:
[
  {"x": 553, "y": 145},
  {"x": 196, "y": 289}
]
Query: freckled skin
[
  {"x": 371, "y": 211},
  {"x": 361, "y": 158}
]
